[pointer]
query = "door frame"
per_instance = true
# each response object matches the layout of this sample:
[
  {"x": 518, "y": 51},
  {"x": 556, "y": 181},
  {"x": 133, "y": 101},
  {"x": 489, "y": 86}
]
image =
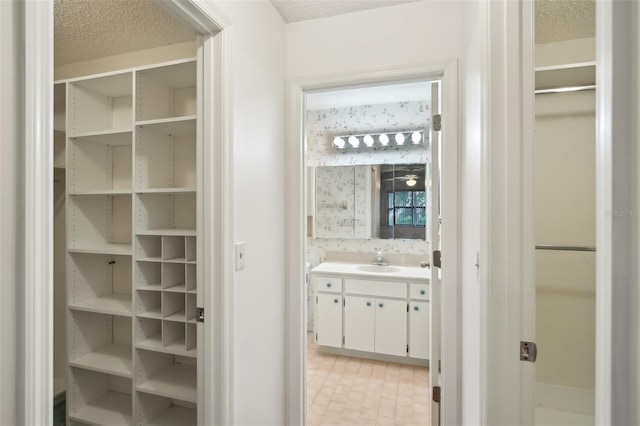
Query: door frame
[
  {"x": 296, "y": 324},
  {"x": 35, "y": 346}
]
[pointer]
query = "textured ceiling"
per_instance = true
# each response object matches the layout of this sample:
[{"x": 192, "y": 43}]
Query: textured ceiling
[
  {"x": 90, "y": 29},
  {"x": 302, "y": 10},
  {"x": 559, "y": 20}
]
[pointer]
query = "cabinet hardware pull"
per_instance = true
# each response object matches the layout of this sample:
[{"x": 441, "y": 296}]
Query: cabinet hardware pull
[
  {"x": 328, "y": 284},
  {"x": 335, "y": 300},
  {"x": 422, "y": 291},
  {"x": 415, "y": 308},
  {"x": 380, "y": 305},
  {"x": 368, "y": 303}
]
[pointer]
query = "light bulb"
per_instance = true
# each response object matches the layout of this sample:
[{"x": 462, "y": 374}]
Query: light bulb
[
  {"x": 338, "y": 142},
  {"x": 354, "y": 141},
  {"x": 399, "y": 138},
  {"x": 368, "y": 140},
  {"x": 384, "y": 139},
  {"x": 411, "y": 180},
  {"x": 416, "y": 137}
]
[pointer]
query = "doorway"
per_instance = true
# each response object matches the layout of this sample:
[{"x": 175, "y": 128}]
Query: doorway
[
  {"x": 297, "y": 244},
  {"x": 206, "y": 22}
]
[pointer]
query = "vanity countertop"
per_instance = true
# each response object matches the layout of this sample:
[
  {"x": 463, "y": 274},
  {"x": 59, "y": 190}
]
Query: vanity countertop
[{"x": 371, "y": 270}]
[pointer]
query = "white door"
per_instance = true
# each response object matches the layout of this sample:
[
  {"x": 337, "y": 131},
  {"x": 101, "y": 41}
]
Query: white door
[
  {"x": 419, "y": 330},
  {"x": 329, "y": 320},
  {"x": 391, "y": 316},
  {"x": 434, "y": 238},
  {"x": 359, "y": 321}
]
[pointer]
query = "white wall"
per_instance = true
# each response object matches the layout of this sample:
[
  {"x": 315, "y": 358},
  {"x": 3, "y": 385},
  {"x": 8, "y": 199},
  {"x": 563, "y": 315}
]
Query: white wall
[
  {"x": 411, "y": 33},
  {"x": 473, "y": 118},
  {"x": 10, "y": 159},
  {"x": 259, "y": 151}
]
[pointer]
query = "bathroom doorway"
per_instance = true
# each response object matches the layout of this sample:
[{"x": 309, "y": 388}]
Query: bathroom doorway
[{"x": 369, "y": 154}]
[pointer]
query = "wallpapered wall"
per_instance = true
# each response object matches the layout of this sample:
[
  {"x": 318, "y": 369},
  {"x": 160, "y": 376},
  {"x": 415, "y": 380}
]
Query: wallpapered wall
[{"x": 323, "y": 125}]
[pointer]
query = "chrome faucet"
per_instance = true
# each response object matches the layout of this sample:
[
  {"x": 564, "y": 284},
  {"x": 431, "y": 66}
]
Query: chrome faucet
[{"x": 379, "y": 259}]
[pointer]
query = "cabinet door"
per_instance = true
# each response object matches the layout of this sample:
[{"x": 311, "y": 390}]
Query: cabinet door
[
  {"x": 359, "y": 321},
  {"x": 329, "y": 320},
  {"x": 391, "y": 327},
  {"x": 419, "y": 330}
]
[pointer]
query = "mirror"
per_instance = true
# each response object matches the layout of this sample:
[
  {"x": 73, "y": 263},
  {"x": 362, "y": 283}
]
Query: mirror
[{"x": 385, "y": 201}]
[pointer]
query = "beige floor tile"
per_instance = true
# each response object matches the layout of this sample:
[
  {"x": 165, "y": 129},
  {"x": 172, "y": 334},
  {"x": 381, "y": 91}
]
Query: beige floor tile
[{"x": 348, "y": 391}]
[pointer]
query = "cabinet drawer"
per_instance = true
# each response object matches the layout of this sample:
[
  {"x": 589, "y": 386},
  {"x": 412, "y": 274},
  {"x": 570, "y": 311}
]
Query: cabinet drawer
[
  {"x": 419, "y": 291},
  {"x": 329, "y": 284},
  {"x": 376, "y": 288}
]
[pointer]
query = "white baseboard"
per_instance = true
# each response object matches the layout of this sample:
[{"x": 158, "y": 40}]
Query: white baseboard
[{"x": 565, "y": 398}]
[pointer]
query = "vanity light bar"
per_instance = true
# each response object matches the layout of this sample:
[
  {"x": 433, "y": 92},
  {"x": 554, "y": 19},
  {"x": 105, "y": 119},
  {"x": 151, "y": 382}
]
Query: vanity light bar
[{"x": 378, "y": 140}]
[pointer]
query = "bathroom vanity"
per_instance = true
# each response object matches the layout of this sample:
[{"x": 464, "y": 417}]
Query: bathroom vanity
[{"x": 372, "y": 311}]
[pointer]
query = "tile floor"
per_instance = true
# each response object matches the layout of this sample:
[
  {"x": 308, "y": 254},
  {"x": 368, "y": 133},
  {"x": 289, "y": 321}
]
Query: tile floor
[{"x": 354, "y": 391}]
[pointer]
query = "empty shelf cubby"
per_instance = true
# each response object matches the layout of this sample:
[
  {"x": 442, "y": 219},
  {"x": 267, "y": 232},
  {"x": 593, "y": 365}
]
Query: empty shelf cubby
[
  {"x": 149, "y": 304},
  {"x": 161, "y": 411},
  {"x": 102, "y": 104},
  {"x": 166, "y": 92},
  {"x": 168, "y": 375},
  {"x": 100, "y": 283},
  {"x": 148, "y": 275},
  {"x": 149, "y": 248},
  {"x": 166, "y": 156},
  {"x": 173, "y": 306},
  {"x": 100, "y": 342},
  {"x": 100, "y": 163},
  {"x": 191, "y": 249},
  {"x": 191, "y": 282},
  {"x": 173, "y": 249},
  {"x": 99, "y": 399},
  {"x": 166, "y": 214},
  {"x": 99, "y": 224},
  {"x": 173, "y": 277}
]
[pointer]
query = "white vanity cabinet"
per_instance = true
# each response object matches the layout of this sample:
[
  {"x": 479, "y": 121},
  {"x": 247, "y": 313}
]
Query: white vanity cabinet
[{"x": 383, "y": 315}]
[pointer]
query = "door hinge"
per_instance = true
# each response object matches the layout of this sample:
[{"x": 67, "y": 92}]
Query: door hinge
[
  {"x": 528, "y": 351},
  {"x": 437, "y": 122},
  {"x": 343, "y": 340},
  {"x": 200, "y": 314},
  {"x": 436, "y": 394},
  {"x": 437, "y": 259},
  {"x": 407, "y": 307},
  {"x": 316, "y": 337},
  {"x": 344, "y": 302},
  {"x": 407, "y": 348},
  {"x": 316, "y": 299}
]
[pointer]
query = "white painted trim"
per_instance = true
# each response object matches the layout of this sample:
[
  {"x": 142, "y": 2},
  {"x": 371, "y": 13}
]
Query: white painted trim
[
  {"x": 296, "y": 232},
  {"x": 206, "y": 19},
  {"x": 565, "y": 398},
  {"x": 36, "y": 352},
  {"x": 507, "y": 305},
  {"x": 617, "y": 141}
]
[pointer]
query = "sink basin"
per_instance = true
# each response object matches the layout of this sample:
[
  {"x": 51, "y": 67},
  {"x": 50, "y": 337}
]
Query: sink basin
[{"x": 378, "y": 269}]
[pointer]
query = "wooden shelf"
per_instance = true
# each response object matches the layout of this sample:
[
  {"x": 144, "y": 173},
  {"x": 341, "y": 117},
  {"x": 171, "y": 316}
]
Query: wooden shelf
[
  {"x": 150, "y": 315},
  {"x": 154, "y": 343},
  {"x": 113, "y": 304},
  {"x": 168, "y": 232},
  {"x": 166, "y": 190},
  {"x": 115, "y": 249},
  {"x": 102, "y": 192},
  {"x": 153, "y": 287},
  {"x": 177, "y": 381},
  {"x": 113, "y": 408},
  {"x": 176, "y": 316},
  {"x": 177, "y": 288},
  {"x": 155, "y": 259},
  {"x": 111, "y": 359},
  {"x": 107, "y": 137},
  {"x": 176, "y": 415},
  {"x": 175, "y": 126}
]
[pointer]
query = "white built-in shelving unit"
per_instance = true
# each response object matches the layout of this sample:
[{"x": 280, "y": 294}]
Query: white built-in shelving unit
[{"x": 132, "y": 182}]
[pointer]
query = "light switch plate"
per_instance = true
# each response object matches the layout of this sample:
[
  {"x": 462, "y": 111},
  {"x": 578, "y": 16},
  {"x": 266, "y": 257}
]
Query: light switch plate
[{"x": 240, "y": 256}]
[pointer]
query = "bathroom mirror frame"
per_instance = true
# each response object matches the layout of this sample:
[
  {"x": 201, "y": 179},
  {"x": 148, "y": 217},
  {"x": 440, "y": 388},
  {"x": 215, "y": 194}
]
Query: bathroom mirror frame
[{"x": 396, "y": 194}]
